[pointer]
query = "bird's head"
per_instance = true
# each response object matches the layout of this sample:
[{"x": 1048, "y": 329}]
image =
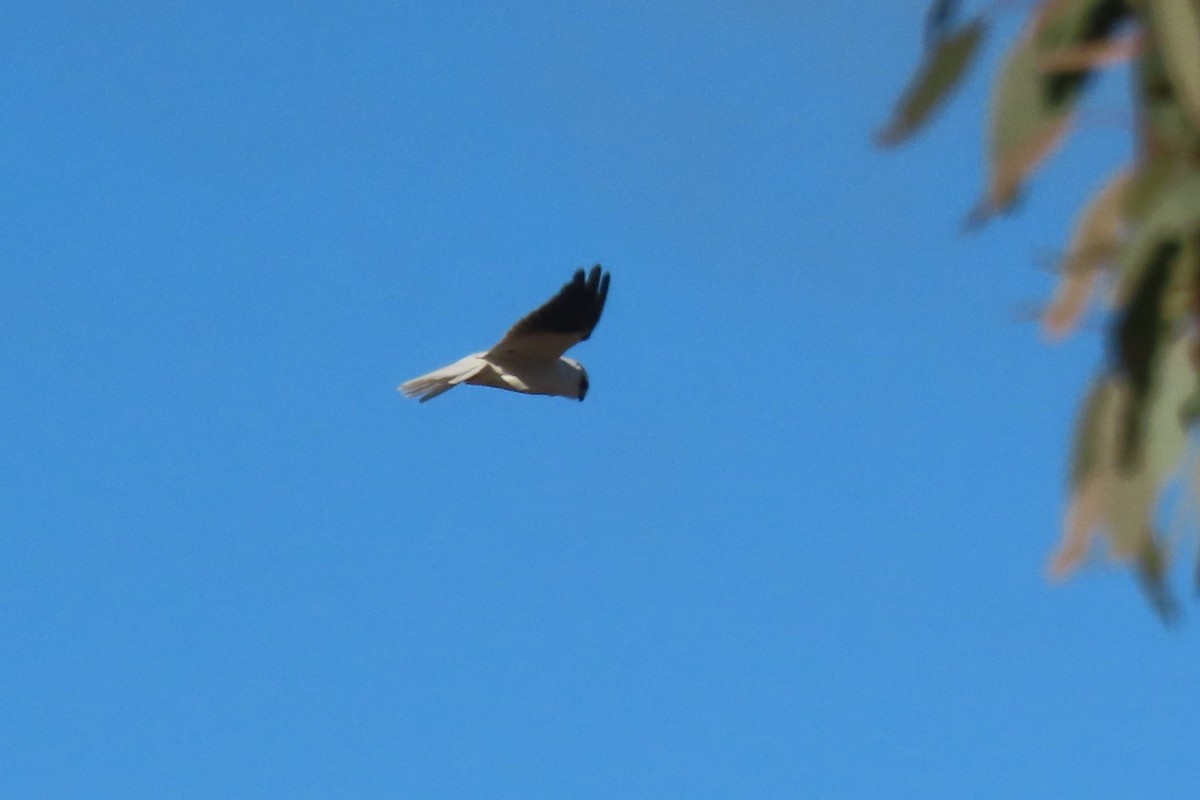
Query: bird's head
[{"x": 579, "y": 376}]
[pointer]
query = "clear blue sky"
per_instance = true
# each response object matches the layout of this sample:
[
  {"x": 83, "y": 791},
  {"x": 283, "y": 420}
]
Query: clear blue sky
[{"x": 790, "y": 546}]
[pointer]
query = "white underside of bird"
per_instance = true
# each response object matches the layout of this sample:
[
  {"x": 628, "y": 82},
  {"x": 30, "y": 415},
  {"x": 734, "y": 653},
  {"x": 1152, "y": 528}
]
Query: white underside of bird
[{"x": 560, "y": 377}]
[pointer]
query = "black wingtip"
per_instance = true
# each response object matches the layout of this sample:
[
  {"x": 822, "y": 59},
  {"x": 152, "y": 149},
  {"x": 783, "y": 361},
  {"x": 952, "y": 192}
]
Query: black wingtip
[{"x": 596, "y": 290}]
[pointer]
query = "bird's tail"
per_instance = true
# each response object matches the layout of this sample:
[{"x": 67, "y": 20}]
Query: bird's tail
[{"x": 430, "y": 385}]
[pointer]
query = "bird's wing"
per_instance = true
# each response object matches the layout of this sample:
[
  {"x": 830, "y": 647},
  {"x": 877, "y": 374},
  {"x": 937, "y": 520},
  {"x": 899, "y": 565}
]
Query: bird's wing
[{"x": 561, "y": 322}]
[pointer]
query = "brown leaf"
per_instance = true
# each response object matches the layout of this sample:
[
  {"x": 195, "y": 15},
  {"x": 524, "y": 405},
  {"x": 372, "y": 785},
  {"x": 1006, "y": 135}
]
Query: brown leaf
[
  {"x": 1086, "y": 513},
  {"x": 1090, "y": 56},
  {"x": 1094, "y": 242}
]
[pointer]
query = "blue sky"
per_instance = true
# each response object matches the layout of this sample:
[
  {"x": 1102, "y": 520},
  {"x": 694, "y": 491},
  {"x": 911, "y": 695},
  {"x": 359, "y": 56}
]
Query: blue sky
[{"x": 790, "y": 546}]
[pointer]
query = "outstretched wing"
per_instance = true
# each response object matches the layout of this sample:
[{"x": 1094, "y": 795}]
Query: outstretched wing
[{"x": 561, "y": 322}]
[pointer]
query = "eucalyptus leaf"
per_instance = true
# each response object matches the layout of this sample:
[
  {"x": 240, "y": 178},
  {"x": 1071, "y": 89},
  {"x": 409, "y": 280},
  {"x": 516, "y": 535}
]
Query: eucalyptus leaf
[
  {"x": 1152, "y": 563},
  {"x": 1095, "y": 241},
  {"x": 941, "y": 71},
  {"x": 1086, "y": 514},
  {"x": 1139, "y": 337},
  {"x": 1092, "y": 474},
  {"x": 1023, "y": 129},
  {"x": 1166, "y": 423},
  {"x": 1177, "y": 25},
  {"x": 1094, "y": 446},
  {"x": 1153, "y": 179},
  {"x": 1031, "y": 110},
  {"x": 1130, "y": 514},
  {"x": 1168, "y": 127},
  {"x": 1173, "y": 204}
]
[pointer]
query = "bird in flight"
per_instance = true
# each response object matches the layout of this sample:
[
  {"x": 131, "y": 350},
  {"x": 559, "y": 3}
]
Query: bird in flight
[{"x": 529, "y": 359}]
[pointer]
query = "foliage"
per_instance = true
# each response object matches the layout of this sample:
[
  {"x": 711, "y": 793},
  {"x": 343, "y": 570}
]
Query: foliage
[{"x": 1135, "y": 247}]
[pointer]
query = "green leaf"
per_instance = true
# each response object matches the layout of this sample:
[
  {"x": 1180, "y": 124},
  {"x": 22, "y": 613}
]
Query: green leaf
[
  {"x": 1169, "y": 127},
  {"x": 1138, "y": 337},
  {"x": 1173, "y": 216},
  {"x": 1023, "y": 130},
  {"x": 1176, "y": 25},
  {"x": 1096, "y": 432},
  {"x": 1137, "y": 489},
  {"x": 1130, "y": 512},
  {"x": 1092, "y": 474},
  {"x": 1121, "y": 503},
  {"x": 1166, "y": 422},
  {"x": 1161, "y": 429},
  {"x": 1152, "y": 564},
  {"x": 940, "y": 72},
  {"x": 1152, "y": 180},
  {"x": 1031, "y": 110},
  {"x": 1118, "y": 500}
]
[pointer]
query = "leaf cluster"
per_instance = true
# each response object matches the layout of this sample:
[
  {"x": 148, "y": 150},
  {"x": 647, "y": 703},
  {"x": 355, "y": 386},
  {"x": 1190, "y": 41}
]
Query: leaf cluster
[{"x": 1135, "y": 248}]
